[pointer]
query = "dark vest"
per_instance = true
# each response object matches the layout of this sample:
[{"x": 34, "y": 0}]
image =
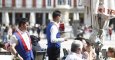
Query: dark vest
[{"x": 48, "y": 35}]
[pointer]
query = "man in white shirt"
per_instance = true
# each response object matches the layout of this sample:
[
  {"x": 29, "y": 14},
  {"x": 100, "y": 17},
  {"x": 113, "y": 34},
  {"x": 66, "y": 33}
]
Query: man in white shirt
[
  {"x": 76, "y": 49},
  {"x": 54, "y": 37},
  {"x": 21, "y": 43}
]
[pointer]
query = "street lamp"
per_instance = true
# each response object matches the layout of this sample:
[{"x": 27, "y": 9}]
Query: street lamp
[{"x": 99, "y": 16}]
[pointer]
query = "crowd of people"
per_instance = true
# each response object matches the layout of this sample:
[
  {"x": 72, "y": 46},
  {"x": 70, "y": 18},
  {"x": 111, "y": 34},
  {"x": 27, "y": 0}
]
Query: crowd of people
[{"x": 22, "y": 44}]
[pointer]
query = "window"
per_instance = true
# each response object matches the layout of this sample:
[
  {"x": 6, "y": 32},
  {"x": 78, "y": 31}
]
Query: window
[
  {"x": 61, "y": 2},
  {"x": 69, "y": 2},
  {"x": 79, "y": 2},
  {"x": 49, "y": 2},
  {"x": 8, "y": 3},
  {"x": 39, "y": 3},
  {"x": 18, "y": 3},
  {"x": 29, "y": 3}
]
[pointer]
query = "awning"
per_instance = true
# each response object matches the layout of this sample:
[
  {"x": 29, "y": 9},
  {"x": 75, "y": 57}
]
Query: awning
[{"x": 106, "y": 7}]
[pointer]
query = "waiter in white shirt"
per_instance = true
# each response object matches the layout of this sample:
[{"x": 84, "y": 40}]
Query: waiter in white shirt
[{"x": 53, "y": 37}]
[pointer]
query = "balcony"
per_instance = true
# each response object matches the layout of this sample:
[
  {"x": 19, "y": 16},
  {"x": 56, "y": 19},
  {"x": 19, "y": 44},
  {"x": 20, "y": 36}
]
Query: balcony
[{"x": 63, "y": 6}]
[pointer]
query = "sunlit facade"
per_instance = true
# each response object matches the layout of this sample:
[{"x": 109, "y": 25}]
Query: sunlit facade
[{"x": 40, "y": 11}]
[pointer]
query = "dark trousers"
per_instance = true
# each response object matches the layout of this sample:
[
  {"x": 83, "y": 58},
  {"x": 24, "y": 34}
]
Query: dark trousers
[{"x": 53, "y": 53}]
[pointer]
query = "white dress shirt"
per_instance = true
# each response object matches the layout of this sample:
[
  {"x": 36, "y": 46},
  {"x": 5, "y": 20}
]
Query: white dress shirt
[
  {"x": 74, "y": 56},
  {"x": 14, "y": 40},
  {"x": 54, "y": 30}
]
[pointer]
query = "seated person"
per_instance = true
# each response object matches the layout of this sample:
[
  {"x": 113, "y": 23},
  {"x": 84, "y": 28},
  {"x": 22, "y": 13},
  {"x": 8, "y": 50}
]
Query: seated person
[
  {"x": 76, "y": 51},
  {"x": 111, "y": 53}
]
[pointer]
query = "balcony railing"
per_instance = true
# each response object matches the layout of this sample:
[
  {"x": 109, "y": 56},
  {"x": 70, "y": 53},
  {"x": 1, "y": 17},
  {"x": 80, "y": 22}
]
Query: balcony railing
[{"x": 63, "y": 6}]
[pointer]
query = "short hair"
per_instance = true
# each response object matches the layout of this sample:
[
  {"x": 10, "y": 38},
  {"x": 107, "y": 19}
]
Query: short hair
[
  {"x": 112, "y": 50},
  {"x": 56, "y": 13},
  {"x": 22, "y": 21},
  {"x": 75, "y": 45}
]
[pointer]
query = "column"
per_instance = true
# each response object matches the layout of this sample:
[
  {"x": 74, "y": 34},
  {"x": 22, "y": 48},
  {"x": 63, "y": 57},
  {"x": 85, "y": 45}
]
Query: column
[
  {"x": 44, "y": 19},
  {"x": 50, "y": 16},
  {"x": 13, "y": 18},
  {"x": 87, "y": 17},
  {"x": 32, "y": 19},
  {"x": 76, "y": 16},
  {"x": 23, "y": 15},
  {"x": 5, "y": 18},
  {"x": 65, "y": 17}
]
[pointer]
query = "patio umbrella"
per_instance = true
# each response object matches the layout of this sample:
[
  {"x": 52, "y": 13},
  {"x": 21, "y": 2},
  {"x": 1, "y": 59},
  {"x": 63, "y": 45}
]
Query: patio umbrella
[{"x": 102, "y": 11}]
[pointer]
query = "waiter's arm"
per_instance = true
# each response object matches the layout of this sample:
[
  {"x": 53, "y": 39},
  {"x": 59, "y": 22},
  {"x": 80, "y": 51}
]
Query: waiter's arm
[{"x": 54, "y": 31}]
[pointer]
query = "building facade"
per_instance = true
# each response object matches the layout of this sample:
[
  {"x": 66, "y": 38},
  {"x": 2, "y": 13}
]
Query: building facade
[{"x": 40, "y": 11}]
